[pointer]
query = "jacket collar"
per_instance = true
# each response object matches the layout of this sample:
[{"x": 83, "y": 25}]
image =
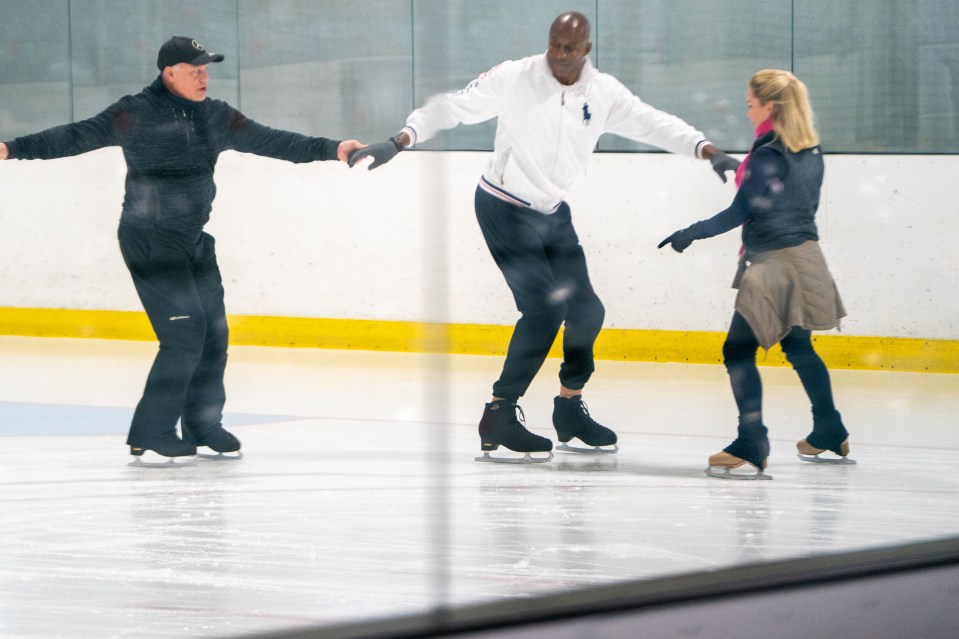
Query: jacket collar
[
  {"x": 588, "y": 73},
  {"x": 763, "y": 139},
  {"x": 160, "y": 89}
]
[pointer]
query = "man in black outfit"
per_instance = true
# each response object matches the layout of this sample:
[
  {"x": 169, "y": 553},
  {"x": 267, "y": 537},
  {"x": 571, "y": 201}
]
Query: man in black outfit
[{"x": 171, "y": 135}]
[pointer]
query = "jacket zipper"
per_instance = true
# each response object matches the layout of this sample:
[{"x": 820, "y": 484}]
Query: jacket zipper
[{"x": 559, "y": 133}]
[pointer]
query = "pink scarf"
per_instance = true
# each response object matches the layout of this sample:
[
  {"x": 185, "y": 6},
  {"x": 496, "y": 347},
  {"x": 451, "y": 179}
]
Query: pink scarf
[{"x": 764, "y": 127}]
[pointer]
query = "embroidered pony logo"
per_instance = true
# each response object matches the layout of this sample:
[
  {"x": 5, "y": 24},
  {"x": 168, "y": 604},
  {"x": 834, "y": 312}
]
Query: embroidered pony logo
[{"x": 587, "y": 116}]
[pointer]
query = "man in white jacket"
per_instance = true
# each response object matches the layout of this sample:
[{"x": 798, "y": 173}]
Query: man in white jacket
[{"x": 551, "y": 110}]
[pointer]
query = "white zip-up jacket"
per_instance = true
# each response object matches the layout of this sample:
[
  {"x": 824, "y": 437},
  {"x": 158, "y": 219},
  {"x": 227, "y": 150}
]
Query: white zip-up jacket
[{"x": 546, "y": 130}]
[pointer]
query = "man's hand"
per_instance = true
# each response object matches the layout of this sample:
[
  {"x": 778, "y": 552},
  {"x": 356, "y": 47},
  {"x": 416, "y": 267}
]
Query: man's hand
[
  {"x": 722, "y": 163},
  {"x": 381, "y": 152},
  {"x": 4, "y": 151},
  {"x": 345, "y": 148},
  {"x": 680, "y": 240}
]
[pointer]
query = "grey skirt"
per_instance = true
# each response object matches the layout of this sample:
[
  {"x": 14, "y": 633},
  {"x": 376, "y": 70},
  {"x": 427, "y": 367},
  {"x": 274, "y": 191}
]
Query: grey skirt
[{"x": 784, "y": 288}]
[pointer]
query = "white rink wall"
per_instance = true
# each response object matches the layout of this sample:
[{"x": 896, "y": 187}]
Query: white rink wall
[{"x": 401, "y": 242}]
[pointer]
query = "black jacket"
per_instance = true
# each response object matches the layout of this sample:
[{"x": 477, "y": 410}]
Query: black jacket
[{"x": 171, "y": 146}]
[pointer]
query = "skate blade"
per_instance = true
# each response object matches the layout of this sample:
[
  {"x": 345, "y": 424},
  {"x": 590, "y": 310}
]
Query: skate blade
[
  {"x": 527, "y": 458},
  {"x": 728, "y": 472},
  {"x": 595, "y": 450},
  {"x": 835, "y": 461},
  {"x": 155, "y": 460},
  {"x": 233, "y": 456}
]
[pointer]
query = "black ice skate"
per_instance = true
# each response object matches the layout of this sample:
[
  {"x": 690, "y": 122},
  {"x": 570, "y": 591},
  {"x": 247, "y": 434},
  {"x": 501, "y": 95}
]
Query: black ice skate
[
  {"x": 828, "y": 435},
  {"x": 503, "y": 423},
  {"x": 571, "y": 418},
  {"x": 751, "y": 447},
  {"x": 222, "y": 442},
  {"x": 163, "y": 452}
]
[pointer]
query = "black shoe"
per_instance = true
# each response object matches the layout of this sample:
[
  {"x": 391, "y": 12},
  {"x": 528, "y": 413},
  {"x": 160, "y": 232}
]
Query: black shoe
[
  {"x": 170, "y": 446},
  {"x": 571, "y": 419},
  {"x": 219, "y": 440},
  {"x": 503, "y": 424}
]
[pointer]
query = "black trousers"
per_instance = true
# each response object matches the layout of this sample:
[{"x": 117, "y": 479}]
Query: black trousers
[
  {"x": 178, "y": 281},
  {"x": 545, "y": 268}
]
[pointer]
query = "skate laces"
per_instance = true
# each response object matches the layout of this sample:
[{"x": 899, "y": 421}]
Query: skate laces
[
  {"x": 519, "y": 415},
  {"x": 587, "y": 417},
  {"x": 518, "y": 418}
]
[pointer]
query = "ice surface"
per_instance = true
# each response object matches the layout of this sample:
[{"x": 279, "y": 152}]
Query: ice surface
[{"x": 358, "y": 496}]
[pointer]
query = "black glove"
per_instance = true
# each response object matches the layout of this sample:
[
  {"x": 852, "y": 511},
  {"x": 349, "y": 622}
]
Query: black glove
[
  {"x": 381, "y": 152},
  {"x": 680, "y": 240},
  {"x": 722, "y": 163}
]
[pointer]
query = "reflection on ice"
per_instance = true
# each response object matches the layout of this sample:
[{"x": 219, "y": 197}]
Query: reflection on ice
[{"x": 330, "y": 514}]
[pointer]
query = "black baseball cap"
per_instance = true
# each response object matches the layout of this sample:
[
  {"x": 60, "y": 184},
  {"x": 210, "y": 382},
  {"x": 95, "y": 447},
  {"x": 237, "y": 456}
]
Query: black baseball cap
[{"x": 181, "y": 49}]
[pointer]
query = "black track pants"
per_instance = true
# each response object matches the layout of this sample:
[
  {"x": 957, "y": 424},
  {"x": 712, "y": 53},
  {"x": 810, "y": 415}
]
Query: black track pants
[
  {"x": 545, "y": 268},
  {"x": 178, "y": 281}
]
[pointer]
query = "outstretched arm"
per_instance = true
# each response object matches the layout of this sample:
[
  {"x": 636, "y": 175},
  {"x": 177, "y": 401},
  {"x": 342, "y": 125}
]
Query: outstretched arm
[
  {"x": 725, "y": 220},
  {"x": 720, "y": 161},
  {"x": 632, "y": 118},
  {"x": 381, "y": 152},
  {"x": 481, "y": 100},
  {"x": 346, "y": 147},
  {"x": 766, "y": 172},
  {"x": 75, "y": 138}
]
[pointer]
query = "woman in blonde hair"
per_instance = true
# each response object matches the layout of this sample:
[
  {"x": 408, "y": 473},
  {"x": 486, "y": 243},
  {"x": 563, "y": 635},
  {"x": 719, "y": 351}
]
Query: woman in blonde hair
[{"x": 785, "y": 288}]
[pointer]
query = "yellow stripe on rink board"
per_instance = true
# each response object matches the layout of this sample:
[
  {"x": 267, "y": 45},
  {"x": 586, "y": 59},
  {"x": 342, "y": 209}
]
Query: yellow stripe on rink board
[
  {"x": 694, "y": 347},
  {"x": 837, "y": 350},
  {"x": 62, "y": 322}
]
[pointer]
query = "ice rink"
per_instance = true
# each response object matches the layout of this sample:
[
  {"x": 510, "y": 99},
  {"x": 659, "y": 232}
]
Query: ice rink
[{"x": 358, "y": 497}]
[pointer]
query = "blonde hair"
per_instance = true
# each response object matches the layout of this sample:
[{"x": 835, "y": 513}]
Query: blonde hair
[{"x": 792, "y": 115}]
